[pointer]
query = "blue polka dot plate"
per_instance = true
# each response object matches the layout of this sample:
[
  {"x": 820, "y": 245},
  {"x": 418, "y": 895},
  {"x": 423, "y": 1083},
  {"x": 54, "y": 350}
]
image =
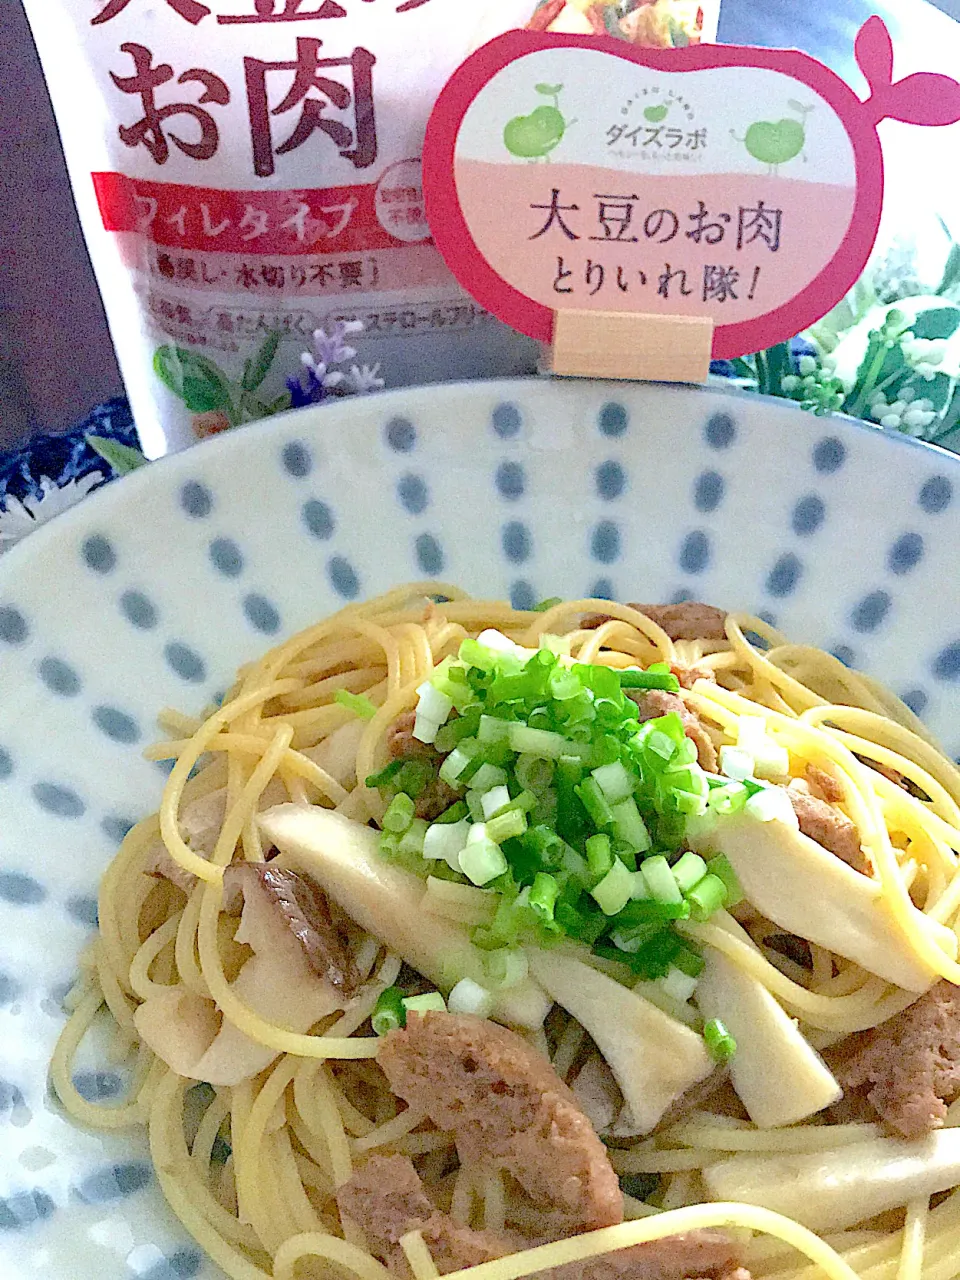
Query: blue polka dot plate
[{"x": 157, "y": 587}]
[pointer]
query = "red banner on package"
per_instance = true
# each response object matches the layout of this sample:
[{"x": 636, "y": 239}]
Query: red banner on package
[{"x": 352, "y": 219}]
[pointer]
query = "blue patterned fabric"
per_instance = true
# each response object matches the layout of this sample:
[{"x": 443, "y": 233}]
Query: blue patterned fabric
[{"x": 66, "y": 457}]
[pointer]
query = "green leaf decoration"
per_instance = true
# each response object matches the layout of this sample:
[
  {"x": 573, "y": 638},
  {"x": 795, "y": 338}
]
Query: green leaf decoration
[
  {"x": 121, "y": 457},
  {"x": 951, "y": 272},
  {"x": 938, "y": 390},
  {"x": 938, "y": 322},
  {"x": 257, "y": 368},
  {"x": 197, "y": 381},
  {"x": 794, "y": 105},
  {"x": 743, "y": 368},
  {"x": 550, "y": 90}
]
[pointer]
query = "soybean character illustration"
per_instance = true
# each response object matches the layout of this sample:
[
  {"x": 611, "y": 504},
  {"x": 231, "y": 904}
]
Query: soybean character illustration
[
  {"x": 533, "y": 137},
  {"x": 776, "y": 142}
]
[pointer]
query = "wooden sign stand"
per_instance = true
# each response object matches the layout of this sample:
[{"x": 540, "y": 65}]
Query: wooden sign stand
[{"x": 631, "y": 346}]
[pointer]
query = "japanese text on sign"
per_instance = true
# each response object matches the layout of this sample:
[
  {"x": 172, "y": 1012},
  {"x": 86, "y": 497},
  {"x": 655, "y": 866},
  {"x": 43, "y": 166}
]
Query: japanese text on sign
[{"x": 258, "y": 11}]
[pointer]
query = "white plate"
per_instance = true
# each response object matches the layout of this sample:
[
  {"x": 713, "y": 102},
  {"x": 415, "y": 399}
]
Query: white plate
[{"x": 154, "y": 590}]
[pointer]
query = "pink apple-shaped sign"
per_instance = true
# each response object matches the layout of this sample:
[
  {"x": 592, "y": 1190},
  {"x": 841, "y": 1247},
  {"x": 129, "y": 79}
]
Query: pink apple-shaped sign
[{"x": 743, "y": 185}]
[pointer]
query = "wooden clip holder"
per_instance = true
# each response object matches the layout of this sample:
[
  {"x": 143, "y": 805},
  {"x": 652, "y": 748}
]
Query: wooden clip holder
[{"x": 630, "y": 346}]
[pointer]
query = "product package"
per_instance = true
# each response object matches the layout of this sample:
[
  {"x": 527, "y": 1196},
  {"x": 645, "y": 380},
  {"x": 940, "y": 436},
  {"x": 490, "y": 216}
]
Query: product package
[{"x": 247, "y": 174}]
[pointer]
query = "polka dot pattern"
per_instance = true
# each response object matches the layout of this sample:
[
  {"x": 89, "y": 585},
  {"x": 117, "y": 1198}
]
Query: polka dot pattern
[
  {"x": 261, "y": 614},
  {"x": 430, "y": 556},
  {"x": 829, "y": 455},
  {"x": 297, "y": 459},
  {"x": 59, "y": 677},
  {"x": 720, "y": 431},
  {"x": 139, "y": 610},
  {"x": 196, "y": 500},
  {"x": 871, "y": 611},
  {"x": 507, "y": 420},
  {"x": 186, "y": 662},
  {"x": 785, "y": 576},
  {"x": 227, "y": 557},
  {"x": 905, "y": 554},
  {"x": 401, "y": 435},
  {"x": 192, "y": 583},
  {"x": 605, "y": 542},
  {"x": 611, "y": 481},
  {"x": 343, "y": 578},
  {"x": 319, "y": 519},
  {"x": 13, "y": 626},
  {"x": 808, "y": 515},
  {"x": 695, "y": 552},
  {"x": 511, "y": 481},
  {"x": 614, "y": 419},
  {"x": 517, "y": 542},
  {"x": 413, "y": 494},
  {"x": 708, "y": 491},
  {"x": 936, "y": 495},
  {"x": 98, "y": 554}
]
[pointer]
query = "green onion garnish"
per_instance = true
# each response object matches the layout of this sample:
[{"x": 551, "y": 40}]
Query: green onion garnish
[
  {"x": 720, "y": 1043},
  {"x": 358, "y": 703},
  {"x": 571, "y": 811},
  {"x": 722, "y": 868},
  {"x": 550, "y": 603},
  {"x": 389, "y": 1012}
]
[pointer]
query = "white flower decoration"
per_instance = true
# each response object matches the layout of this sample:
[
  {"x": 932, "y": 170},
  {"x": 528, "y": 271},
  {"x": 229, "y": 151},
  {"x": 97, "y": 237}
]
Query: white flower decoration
[
  {"x": 924, "y": 355},
  {"x": 17, "y": 518},
  {"x": 365, "y": 379}
]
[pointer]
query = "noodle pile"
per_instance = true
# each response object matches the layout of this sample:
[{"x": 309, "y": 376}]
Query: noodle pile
[{"x": 252, "y": 1170}]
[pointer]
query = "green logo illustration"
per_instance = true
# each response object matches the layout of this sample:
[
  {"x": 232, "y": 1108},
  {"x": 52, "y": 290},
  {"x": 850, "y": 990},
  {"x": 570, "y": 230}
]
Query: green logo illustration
[
  {"x": 656, "y": 115},
  {"x": 533, "y": 137},
  {"x": 776, "y": 142}
]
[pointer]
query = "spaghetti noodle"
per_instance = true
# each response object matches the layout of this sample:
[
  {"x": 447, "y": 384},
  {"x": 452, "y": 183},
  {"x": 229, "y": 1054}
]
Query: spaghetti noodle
[{"x": 254, "y": 1174}]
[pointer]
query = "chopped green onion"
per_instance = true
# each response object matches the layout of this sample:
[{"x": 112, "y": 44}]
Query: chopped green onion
[
  {"x": 613, "y": 892},
  {"x": 386, "y": 774},
  {"x": 430, "y": 1002},
  {"x": 358, "y": 703},
  {"x": 599, "y": 854},
  {"x": 432, "y": 704},
  {"x": 389, "y": 1012},
  {"x": 772, "y": 804},
  {"x": 629, "y": 826},
  {"x": 475, "y": 805},
  {"x": 469, "y": 997},
  {"x": 399, "y": 814},
  {"x": 456, "y": 813},
  {"x": 549, "y": 603},
  {"x": 444, "y": 841},
  {"x": 728, "y": 799},
  {"x": 507, "y": 825},
  {"x": 458, "y": 761},
  {"x": 475, "y": 654},
  {"x": 414, "y": 777},
  {"x": 689, "y": 871},
  {"x": 678, "y": 985},
  {"x": 412, "y": 839},
  {"x": 614, "y": 781},
  {"x": 482, "y": 860},
  {"x": 649, "y": 679},
  {"x": 736, "y": 763},
  {"x": 506, "y": 967},
  {"x": 720, "y": 1043},
  {"x": 493, "y": 730},
  {"x": 454, "y": 731},
  {"x": 689, "y": 962},
  {"x": 538, "y": 742},
  {"x": 722, "y": 868},
  {"x": 660, "y": 879},
  {"x": 595, "y": 802},
  {"x": 534, "y": 773},
  {"x": 496, "y": 798},
  {"x": 543, "y": 895},
  {"x": 707, "y": 897},
  {"x": 487, "y": 777}
]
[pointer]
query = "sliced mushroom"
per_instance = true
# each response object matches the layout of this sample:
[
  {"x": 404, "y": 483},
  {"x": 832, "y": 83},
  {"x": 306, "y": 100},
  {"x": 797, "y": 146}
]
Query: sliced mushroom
[
  {"x": 278, "y": 983},
  {"x": 304, "y": 909}
]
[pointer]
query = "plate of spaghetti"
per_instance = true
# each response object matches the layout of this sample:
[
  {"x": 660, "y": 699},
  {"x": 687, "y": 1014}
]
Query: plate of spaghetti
[{"x": 387, "y": 890}]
